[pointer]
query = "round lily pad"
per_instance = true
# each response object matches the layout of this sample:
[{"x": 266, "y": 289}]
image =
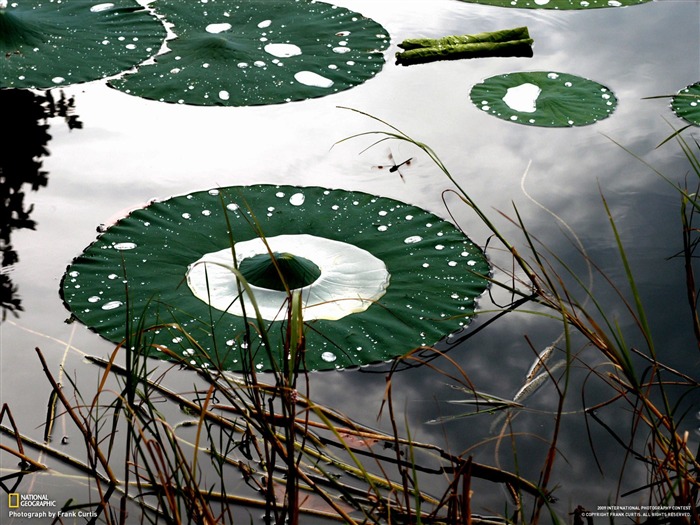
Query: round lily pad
[
  {"x": 53, "y": 43},
  {"x": 258, "y": 52},
  {"x": 544, "y": 98},
  {"x": 378, "y": 277},
  {"x": 686, "y": 104},
  {"x": 561, "y": 5}
]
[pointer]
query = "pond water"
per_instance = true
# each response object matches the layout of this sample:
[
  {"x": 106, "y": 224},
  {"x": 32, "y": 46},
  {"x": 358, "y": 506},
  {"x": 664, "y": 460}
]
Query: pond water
[{"x": 131, "y": 150}]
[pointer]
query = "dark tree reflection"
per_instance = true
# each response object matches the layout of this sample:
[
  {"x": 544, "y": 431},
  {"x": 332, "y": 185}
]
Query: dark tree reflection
[{"x": 25, "y": 137}]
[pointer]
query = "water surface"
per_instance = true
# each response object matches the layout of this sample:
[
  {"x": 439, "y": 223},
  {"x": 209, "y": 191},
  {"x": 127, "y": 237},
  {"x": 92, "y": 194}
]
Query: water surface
[{"x": 132, "y": 150}]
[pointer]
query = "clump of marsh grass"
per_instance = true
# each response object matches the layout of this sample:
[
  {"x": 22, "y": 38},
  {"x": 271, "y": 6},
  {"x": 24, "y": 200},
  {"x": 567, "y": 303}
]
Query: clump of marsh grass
[
  {"x": 636, "y": 378},
  {"x": 341, "y": 470}
]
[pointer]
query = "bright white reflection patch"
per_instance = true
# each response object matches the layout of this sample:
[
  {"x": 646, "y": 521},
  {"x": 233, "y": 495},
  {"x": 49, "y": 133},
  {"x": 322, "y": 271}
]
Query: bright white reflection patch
[
  {"x": 218, "y": 28},
  {"x": 282, "y": 50},
  {"x": 351, "y": 278},
  {"x": 309, "y": 78},
  {"x": 523, "y": 97},
  {"x": 95, "y": 8}
]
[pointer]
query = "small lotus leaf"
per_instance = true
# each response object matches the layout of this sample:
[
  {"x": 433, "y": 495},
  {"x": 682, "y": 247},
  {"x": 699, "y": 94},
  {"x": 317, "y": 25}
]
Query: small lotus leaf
[
  {"x": 54, "y": 43},
  {"x": 686, "y": 104},
  {"x": 258, "y": 52},
  {"x": 137, "y": 269},
  {"x": 542, "y": 98}
]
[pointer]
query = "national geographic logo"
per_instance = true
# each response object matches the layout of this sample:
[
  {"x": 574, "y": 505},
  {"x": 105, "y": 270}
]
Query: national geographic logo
[
  {"x": 16, "y": 500},
  {"x": 30, "y": 506},
  {"x": 38, "y": 506}
]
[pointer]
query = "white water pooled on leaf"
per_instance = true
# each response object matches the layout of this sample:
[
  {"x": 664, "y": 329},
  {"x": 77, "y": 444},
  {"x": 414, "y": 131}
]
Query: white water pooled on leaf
[
  {"x": 218, "y": 28},
  {"x": 329, "y": 357},
  {"x": 297, "y": 199},
  {"x": 112, "y": 305},
  {"x": 309, "y": 78},
  {"x": 124, "y": 246},
  {"x": 523, "y": 98},
  {"x": 351, "y": 279},
  {"x": 95, "y": 8},
  {"x": 282, "y": 50}
]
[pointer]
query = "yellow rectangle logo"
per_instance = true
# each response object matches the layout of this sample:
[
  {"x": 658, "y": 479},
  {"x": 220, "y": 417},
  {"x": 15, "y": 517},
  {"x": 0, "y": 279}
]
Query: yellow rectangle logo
[{"x": 13, "y": 500}]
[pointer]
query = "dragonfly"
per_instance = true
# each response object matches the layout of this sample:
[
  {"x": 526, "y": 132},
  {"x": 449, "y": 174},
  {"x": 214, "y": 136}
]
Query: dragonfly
[{"x": 394, "y": 166}]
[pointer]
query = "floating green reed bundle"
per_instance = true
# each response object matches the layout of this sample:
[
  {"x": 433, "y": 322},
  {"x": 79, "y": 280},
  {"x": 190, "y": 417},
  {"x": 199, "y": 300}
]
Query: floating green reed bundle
[{"x": 514, "y": 42}]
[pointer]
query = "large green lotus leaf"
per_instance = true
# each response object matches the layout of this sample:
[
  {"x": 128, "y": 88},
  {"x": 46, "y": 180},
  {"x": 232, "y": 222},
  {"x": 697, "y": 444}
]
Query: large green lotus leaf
[
  {"x": 258, "y": 52},
  {"x": 559, "y": 4},
  {"x": 429, "y": 273},
  {"x": 686, "y": 104},
  {"x": 544, "y": 98},
  {"x": 51, "y": 43}
]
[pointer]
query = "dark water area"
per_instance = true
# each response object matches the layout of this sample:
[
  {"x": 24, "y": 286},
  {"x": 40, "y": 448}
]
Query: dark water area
[{"x": 98, "y": 153}]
